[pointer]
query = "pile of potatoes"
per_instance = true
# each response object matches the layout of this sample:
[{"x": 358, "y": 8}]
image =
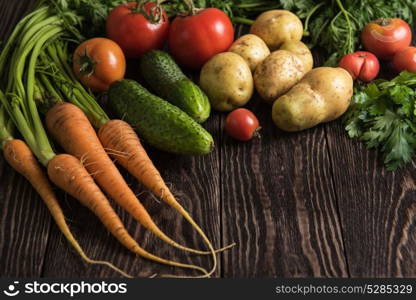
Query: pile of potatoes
[{"x": 273, "y": 61}]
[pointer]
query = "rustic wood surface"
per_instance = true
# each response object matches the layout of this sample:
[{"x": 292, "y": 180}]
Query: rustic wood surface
[{"x": 308, "y": 204}]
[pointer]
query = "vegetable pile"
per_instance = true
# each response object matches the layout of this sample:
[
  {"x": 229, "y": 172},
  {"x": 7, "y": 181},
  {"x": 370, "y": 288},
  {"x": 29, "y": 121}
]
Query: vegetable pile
[{"x": 38, "y": 77}]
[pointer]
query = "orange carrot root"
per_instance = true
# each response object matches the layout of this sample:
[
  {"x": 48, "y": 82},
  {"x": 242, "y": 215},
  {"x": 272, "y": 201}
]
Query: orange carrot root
[
  {"x": 21, "y": 158},
  {"x": 67, "y": 172},
  {"x": 125, "y": 147},
  {"x": 71, "y": 128}
]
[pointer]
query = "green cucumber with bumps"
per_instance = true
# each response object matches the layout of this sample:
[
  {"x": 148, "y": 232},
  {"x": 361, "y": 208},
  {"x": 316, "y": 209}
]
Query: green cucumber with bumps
[
  {"x": 168, "y": 81},
  {"x": 160, "y": 123}
]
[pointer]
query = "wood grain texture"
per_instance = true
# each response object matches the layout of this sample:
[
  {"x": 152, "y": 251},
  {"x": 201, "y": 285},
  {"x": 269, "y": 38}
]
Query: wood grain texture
[
  {"x": 287, "y": 224},
  {"x": 377, "y": 209}
]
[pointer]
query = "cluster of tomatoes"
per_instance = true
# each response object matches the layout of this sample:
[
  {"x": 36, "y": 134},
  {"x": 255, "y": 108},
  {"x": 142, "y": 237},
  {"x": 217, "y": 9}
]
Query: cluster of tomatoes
[
  {"x": 384, "y": 39},
  {"x": 136, "y": 28},
  {"x": 192, "y": 38}
]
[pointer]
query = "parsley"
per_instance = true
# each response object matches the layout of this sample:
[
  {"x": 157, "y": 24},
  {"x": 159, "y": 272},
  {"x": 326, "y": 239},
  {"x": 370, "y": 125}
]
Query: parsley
[{"x": 382, "y": 114}]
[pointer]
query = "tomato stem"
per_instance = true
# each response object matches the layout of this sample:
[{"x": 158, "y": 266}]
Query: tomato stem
[
  {"x": 87, "y": 64},
  {"x": 384, "y": 21},
  {"x": 154, "y": 15},
  {"x": 192, "y": 8},
  {"x": 256, "y": 133}
]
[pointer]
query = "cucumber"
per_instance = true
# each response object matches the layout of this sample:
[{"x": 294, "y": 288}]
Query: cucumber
[
  {"x": 167, "y": 81},
  {"x": 158, "y": 122}
]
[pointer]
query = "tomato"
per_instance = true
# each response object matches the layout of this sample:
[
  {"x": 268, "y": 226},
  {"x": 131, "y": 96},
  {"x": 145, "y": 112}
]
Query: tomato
[
  {"x": 194, "y": 39},
  {"x": 405, "y": 60},
  {"x": 99, "y": 62},
  {"x": 361, "y": 64},
  {"x": 138, "y": 28},
  {"x": 385, "y": 37},
  {"x": 242, "y": 124}
]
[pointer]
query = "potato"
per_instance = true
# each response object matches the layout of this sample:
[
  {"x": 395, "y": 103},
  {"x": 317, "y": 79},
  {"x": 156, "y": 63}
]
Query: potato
[
  {"x": 323, "y": 95},
  {"x": 252, "y": 48},
  {"x": 282, "y": 69},
  {"x": 226, "y": 79},
  {"x": 276, "y": 27},
  {"x": 303, "y": 52}
]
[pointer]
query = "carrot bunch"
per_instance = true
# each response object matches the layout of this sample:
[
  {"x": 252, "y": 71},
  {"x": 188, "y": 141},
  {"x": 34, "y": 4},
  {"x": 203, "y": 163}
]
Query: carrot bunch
[
  {"x": 35, "y": 59},
  {"x": 18, "y": 154}
]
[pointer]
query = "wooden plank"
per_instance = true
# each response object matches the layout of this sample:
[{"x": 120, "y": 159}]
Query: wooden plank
[
  {"x": 24, "y": 226},
  {"x": 377, "y": 208},
  {"x": 24, "y": 219},
  {"x": 280, "y": 205},
  {"x": 194, "y": 180}
]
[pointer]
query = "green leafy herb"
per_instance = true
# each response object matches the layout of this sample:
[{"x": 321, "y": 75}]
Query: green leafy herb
[
  {"x": 90, "y": 15},
  {"x": 383, "y": 115}
]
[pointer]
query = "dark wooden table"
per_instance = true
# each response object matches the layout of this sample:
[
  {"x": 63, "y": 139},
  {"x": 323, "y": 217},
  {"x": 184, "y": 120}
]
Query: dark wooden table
[{"x": 307, "y": 204}]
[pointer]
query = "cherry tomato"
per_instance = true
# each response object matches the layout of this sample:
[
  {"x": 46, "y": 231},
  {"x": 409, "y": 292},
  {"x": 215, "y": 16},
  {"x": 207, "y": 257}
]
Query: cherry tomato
[
  {"x": 138, "y": 28},
  {"x": 384, "y": 37},
  {"x": 194, "y": 39},
  {"x": 361, "y": 64},
  {"x": 405, "y": 60},
  {"x": 99, "y": 62},
  {"x": 242, "y": 124}
]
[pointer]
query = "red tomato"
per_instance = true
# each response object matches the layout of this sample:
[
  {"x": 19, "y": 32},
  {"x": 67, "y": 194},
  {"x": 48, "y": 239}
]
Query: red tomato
[
  {"x": 242, "y": 124},
  {"x": 138, "y": 29},
  {"x": 405, "y": 60},
  {"x": 361, "y": 64},
  {"x": 384, "y": 37},
  {"x": 194, "y": 39},
  {"x": 99, "y": 62}
]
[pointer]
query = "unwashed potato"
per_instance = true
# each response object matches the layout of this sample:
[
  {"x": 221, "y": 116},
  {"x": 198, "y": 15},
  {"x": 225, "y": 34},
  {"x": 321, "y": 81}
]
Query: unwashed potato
[
  {"x": 226, "y": 79},
  {"x": 282, "y": 69},
  {"x": 323, "y": 95},
  {"x": 252, "y": 48},
  {"x": 303, "y": 52},
  {"x": 276, "y": 27}
]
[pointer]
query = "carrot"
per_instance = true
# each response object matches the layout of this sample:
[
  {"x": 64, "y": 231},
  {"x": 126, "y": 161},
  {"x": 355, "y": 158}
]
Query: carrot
[
  {"x": 19, "y": 101},
  {"x": 56, "y": 61},
  {"x": 73, "y": 131},
  {"x": 20, "y": 157},
  {"x": 124, "y": 146},
  {"x": 68, "y": 173}
]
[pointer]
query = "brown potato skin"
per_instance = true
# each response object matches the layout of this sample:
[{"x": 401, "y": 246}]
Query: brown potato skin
[
  {"x": 282, "y": 69},
  {"x": 323, "y": 95},
  {"x": 276, "y": 27},
  {"x": 252, "y": 48},
  {"x": 227, "y": 80},
  {"x": 303, "y": 52}
]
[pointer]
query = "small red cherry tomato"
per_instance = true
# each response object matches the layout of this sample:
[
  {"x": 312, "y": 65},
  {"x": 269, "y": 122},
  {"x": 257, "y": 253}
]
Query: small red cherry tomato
[
  {"x": 361, "y": 64},
  {"x": 242, "y": 124},
  {"x": 405, "y": 60},
  {"x": 384, "y": 37}
]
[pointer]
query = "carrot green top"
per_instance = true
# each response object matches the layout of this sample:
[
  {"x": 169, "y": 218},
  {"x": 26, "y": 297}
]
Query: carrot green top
[{"x": 34, "y": 64}]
